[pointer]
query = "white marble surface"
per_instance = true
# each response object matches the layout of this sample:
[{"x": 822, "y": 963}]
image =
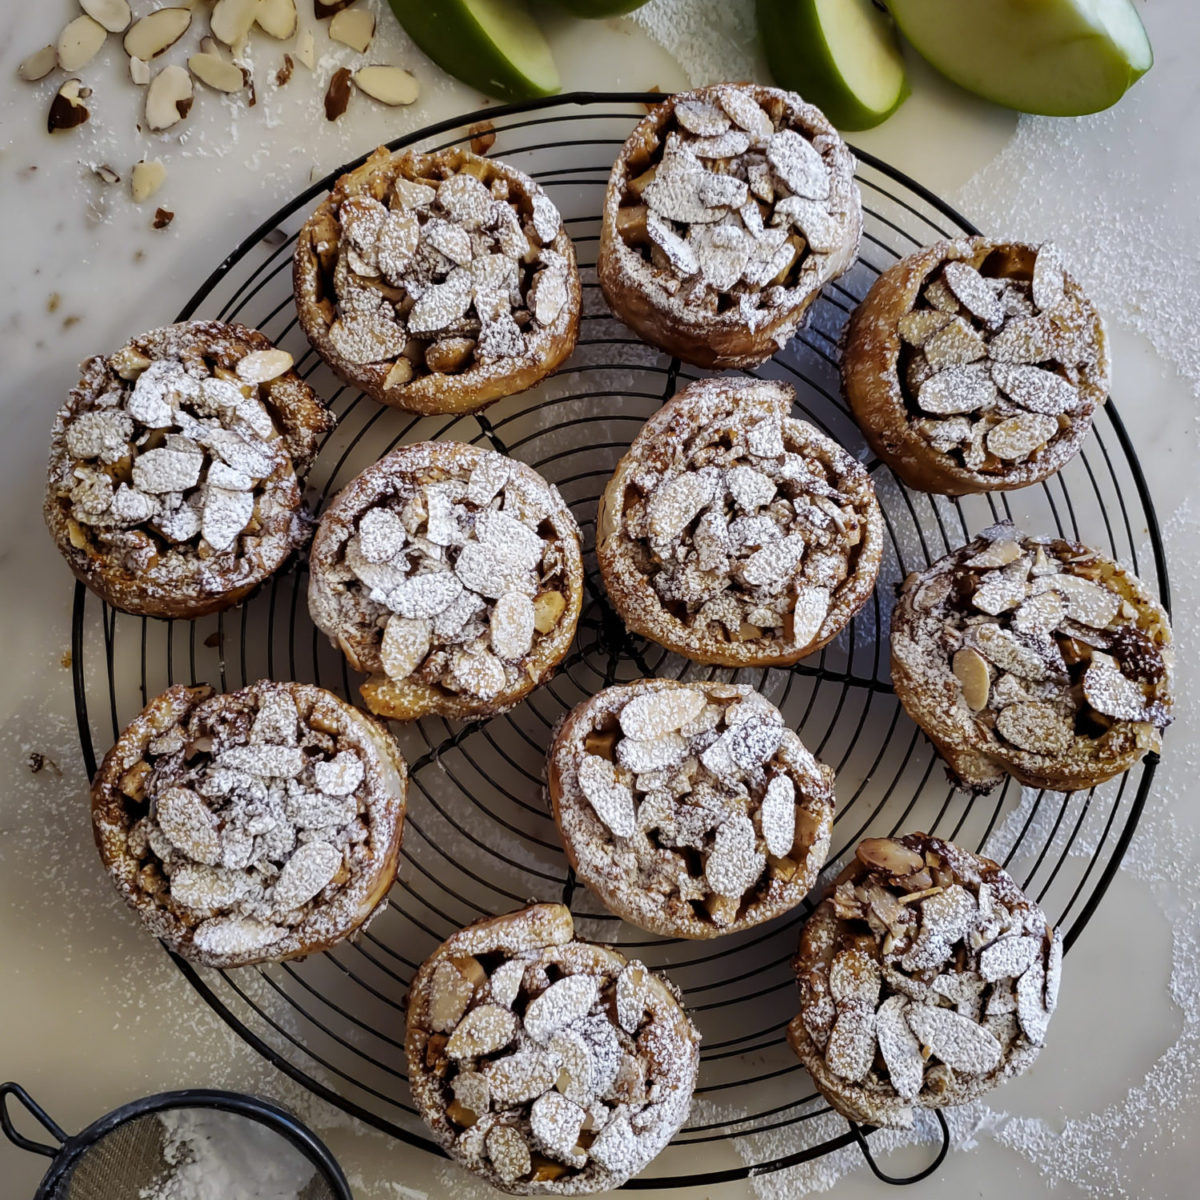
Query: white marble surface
[{"x": 92, "y": 1012}]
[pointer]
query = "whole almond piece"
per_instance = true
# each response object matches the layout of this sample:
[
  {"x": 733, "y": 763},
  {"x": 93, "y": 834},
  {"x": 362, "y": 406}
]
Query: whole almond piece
[
  {"x": 67, "y": 109},
  {"x": 353, "y": 27},
  {"x": 114, "y": 15},
  {"x": 156, "y": 32},
  {"x": 169, "y": 97},
  {"x": 217, "y": 73},
  {"x": 38, "y": 65},
  {"x": 389, "y": 85},
  {"x": 277, "y": 17},
  {"x": 231, "y": 20},
  {"x": 971, "y": 670},
  {"x": 79, "y": 42}
]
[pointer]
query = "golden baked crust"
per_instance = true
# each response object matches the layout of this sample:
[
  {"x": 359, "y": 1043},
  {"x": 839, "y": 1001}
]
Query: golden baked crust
[
  {"x": 1032, "y": 657},
  {"x": 438, "y": 282},
  {"x": 716, "y": 256},
  {"x": 173, "y": 478},
  {"x": 689, "y": 808},
  {"x": 452, "y": 575},
  {"x": 520, "y": 1036},
  {"x": 989, "y": 384},
  {"x": 787, "y": 549},
  {"x": 254, "y": 826},
  {"x": 926, "y": 979}
]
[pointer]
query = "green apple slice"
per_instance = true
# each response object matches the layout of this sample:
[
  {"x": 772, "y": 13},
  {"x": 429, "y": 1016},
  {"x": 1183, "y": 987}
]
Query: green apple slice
[
  {"x": 1060, "y": 58},
  {"x": 840, "y": 54},
  {"x": 494, "y": 45},
  {"x": 592, "y": 9}
]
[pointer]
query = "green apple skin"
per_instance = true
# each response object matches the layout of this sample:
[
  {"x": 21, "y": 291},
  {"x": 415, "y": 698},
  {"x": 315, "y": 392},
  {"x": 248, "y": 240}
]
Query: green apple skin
[
  {"x": 1057, "y": 58},
  {"x": 453, "y": 34},
  {"x": 593, "y": 9},
  {"x": 801, "y": 60}
]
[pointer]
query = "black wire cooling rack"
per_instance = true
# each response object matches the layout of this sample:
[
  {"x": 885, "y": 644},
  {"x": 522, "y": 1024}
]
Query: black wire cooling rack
[{"x": 479, "y": 837}]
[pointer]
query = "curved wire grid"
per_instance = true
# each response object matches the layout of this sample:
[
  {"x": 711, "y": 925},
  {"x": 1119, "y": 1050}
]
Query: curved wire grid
[{"x": 479, "y": 837}]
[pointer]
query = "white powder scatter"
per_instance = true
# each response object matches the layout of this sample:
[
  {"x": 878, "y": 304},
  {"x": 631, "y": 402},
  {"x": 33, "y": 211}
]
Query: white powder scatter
[
  {"x": 213, "y": 1155},
  {"x": 710, "y": 39}
]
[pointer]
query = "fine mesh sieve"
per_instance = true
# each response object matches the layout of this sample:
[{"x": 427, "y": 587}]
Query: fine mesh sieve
[{"x": 186, "y": 1145}]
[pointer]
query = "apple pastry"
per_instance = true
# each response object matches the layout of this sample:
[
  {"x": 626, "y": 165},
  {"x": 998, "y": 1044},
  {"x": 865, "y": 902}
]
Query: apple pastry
[
  {"x": 733, "y": 533},
  {"x": 926, "y": 979},
  {"x": 1032, "y": 657},
  {"x": 690, "y": 809},
  {"x": 546, "y": 1065},
  {"x": 728, "y": 209},
  {"x": 452, "y": 575},
  {"x": 173, "y": 469},
  {"x": 976, "y": 366},
  {"x": 252, "y": 826},
  {"x": 437, "y": 282}
]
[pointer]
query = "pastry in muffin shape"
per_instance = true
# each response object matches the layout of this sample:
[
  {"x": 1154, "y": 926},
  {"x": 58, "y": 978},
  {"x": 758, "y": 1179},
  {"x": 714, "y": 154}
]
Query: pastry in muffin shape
[
  {"x": 437, "y": 282},
  {"x": 727, "y": 210},
  {"x": 452, "y": 575},
  {"x": 173, "y": 479},
  {"x": 926, "y": 979},
  {"x": 733, "y": 533},
  {"x": 976, "y": 366},
  {"x": 251, "y": 826},
  {"x": 1033, "y": 657},
  {"x": 690, "y": 809},
  {"x": 546, "y": 1065}
]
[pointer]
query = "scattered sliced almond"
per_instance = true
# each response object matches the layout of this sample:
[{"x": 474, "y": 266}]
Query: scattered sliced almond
[
  {"x": 389, "y": 85},
  {"x": 217, "y": 73},
  {"x": 231, "y": 20},
  {"x": 139, "y": 71},
  {"x": 156, "y": 32},
  {"x": 105, "y": 172},
  {"x": 145, "y": 180},
  {"x": 114, "y": 15},
  {"x": 971, "y": 669},
  {"x": 277, "y": 18},
  {"x": 353, "y": 27},
  {"x": 162, "y": 218},
  {"x": 38, "y": 65},
  {"x": 305, "y": 49},
  {"x": 79, "y": 42},
  {"x": 67, "y": 109},
  {"x": 337, "y": 97},
  {"x": 285, "y": 72},
  {"x": 169, "y": 97}
]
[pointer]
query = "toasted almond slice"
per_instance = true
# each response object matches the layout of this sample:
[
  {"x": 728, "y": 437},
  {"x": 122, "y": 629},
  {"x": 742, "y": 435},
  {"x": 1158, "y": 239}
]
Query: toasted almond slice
[
  {"x": 156, "y": 32},
  {"x": 484, "y": 1030},
  {"x": 888, "y": 854},
  {"x": 971, "y": 669},
  {"x": 38, "y": 65},
  {"x": 917, "y": 327},
  {"x": 306, "y": 50},
  {"x": 261, "y": 366},
  {"x": 547, "y": 608},
  {"x": 217, "y": 73},
  {"x": 114, "y": 15},
  {"x": 79, "y": 42},
  {"x": 276, "y": 17},
  {"x": 353, "y": 27},
  {"x": 169, "y": 97},
  {"x": 67, "y": 109},
  {"x": 507, "y": 1148},
  {"x": 145, "y": 179},
  {"x": 139, "y": 71},
  {"x": 1035, "y": 726},
  {"x": 231, "y": 19},
  {"x": 562, "y": 1003},
  {"x": 389, "y": 85},
  {"x": 854, "y": 978},
  {"x": 1018, "y": 437}
]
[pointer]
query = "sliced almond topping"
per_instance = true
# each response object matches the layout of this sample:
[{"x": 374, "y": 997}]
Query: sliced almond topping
[
  {"x": 900, "y": 1048},
  {"x": 389, "y": 85},
  {"x": 919, "y": 326},
  {"x": 156, "y": 32},
  {"x": 967, "y": 388},
  {"x": 1088, "y": 602},
  {"x": 1008, "y": 957},
  {"x": 1109, "y": 692},
  {"x": 974, "y": 292},
  {"x": 972, "y": 672},
  {"x": 556, "y": 1122},
  {"x": 734, "y": 863},
  {"x": 854, "y": 978},
  {"x": 954, "y": 345},
  {"x": 1032, "y": 1010},
  {"x": 957, "y": 1040},
  {"x": 888, "y": 854},
  {"x": 484, "y": 1030},
  {"x": 660, "y": 712},
  {"x": 305, "y": 49},
  {"x": 79, "y": 42},
  {"x": 997, "y": 554},
  {"x": 1038, "y": 390},
  {"x": 1035, "y": 726},
  {"x": 512, "y": 626},
  {"x": 560, "y": 1005},
  {"x": 169, "y": 97},
  {"x": 547, "y": 608},
  {"x": 520, "y": 1077},
  {"x": 1049, "y": 277},
  {"x": 189, "y": 824},
  {"x": 114, "y": 15},
  {"x": 307, "y": 872},
  {"x": 1019, "y": 437},
  {"x": 449, "y": 995},
  {"x": 851, "y": 1047},
  {"x": 261, "y": 366},
  {"x": 38, "y": 65},
  {"x": 145, "y": 179},
  {"x": 631, "y": 997},
  {"x": 67, "y": 109},
  {"x": 231, "y": 20},
  {"x": 777, "y": 816},
  {"x": 139, "y": 72},
  {"x": 353, "y": 27},
  {"x": 507, "y": 1149},
  {"x": 277, "y": 18},
  {"x": 217, "y": 73}
]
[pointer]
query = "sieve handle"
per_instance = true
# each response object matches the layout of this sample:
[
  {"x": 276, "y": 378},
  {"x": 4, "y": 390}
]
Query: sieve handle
[{"x": 34, "y": 1109}]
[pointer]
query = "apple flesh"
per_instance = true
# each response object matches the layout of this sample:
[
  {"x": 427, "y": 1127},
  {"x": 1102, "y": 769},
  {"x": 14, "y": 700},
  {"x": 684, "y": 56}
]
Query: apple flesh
[
  {"x": 1059, "y": 58},
  {"x": 592, "y": 9}
]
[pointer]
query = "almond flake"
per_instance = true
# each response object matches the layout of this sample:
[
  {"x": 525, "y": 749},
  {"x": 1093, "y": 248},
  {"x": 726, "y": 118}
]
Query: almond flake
[
  {"x": 309, "y": 870},
  {"x": 189, "y": 824},
  {"x": 560, "y": 1005},
  {"x": 954, "y": 345},
  {"x": 1049, "y": 278},
  {"x": 997, "y": 554},
  {"x": 159, "y": 30},
  {"x": 512, "y": 625},
  {"x": 820, "y": 229},
  {"x": 38, "y": 65},
  {"x": 631, "y": 997},
  {"x": 389, "y": 85},
  {"x": 1088, "y": 602},
  {"x": 680, "y": 253},
  {"x": 734, "y": 863},
  {"x": 114, "y": 15},
  {"x": 217, "y": 73},
  {"x": 555, "y": 1123},
  {"x": 425, "y": 595},
  {"x": 261, "y": 366},
  {"x": 1005, "y": 650},
  {"x": 1024, "y": 340},
  {"x": 854, "y": 978},
  {"x": 1033, "y": 388},
  {"x": 974, "y": 292},
  {"x": 354, "y": 27},
  {"x": 146, "y": 178},
  {"x": 1008, "y": 957},
  {"x": 162, "y": 470},
  {"x": 1032, "y": 1010},
  {"x": 972, "y": 672},
  {"x": 725, "y": 145},
  {"x": 79, "y": 42},
  {"x": 276, "y": 18},
  {"x": 641, "y": 757},
  {"x": 406, "y": 642},
  {"x": 1040, "y": 614},
  {"x": 1019, "y": 437},
  {"x": 67, "y": 110},
  {"x": 169, "y": 97},
  {"x": 305, "y": 49},
  {"x": 745, "y": 110},
  {"x": 917, "y": 327},
  {"x": 226, "y": 513},
  {"x": 958, "y": 1041},
  {"x": 616, "y": 1146},
  {"x": 658, "y": 713},
  {"x": 611, "y": 799},
  {"x": 701, "y": 118},
  {"x": 798, "y": 164},
  {"x": 1035, "y": 726},
  {"x": 900, "y": 1048},
  {"x": 235, "y": 934},
  {"x": 851, "y": 1047},
  {"x": 509, "y": 1152},
  {"x": 484, "y": 1030},
  {"x": 337, "y": 97},
  {"x": 1109, "y": 692},
  {"x": 231, "y": 20},
  {"x": 961, "y": 389}
]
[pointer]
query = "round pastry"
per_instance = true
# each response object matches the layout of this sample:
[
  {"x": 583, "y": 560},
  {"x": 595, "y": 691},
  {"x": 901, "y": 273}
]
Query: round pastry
[
  {"x": 452, "y": 575},
  {"x": 926, "y": 978},
  {"x": 437, "y": 282},
  {"x": 728, "y": 209},
  {"x": 172, "y": 481},
  {"x": 1032, "y": 657},
  {"x": 975, "y": 366},
  {"x": 545, "y": 1065},
  {"x": 733, "y": 533},
  {"x": 690, "y": 809},
  {"x": 253, "y": 826}
]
